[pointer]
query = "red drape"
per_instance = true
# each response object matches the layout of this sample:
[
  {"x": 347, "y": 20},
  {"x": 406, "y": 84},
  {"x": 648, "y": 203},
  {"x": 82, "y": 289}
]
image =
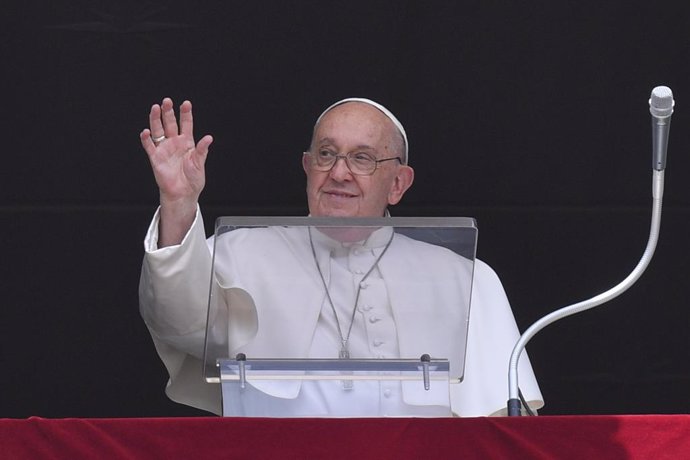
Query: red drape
[{"x": 581, "y": 437}]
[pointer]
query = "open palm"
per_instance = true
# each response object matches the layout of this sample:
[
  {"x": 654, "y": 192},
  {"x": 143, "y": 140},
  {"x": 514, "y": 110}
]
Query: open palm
[{"x": 177, "y": 162}]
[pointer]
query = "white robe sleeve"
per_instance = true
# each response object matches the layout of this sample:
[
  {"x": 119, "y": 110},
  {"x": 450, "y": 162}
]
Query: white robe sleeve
[
  {"x": 491, "y": 337},
  {"x": 173, "y": 299}
]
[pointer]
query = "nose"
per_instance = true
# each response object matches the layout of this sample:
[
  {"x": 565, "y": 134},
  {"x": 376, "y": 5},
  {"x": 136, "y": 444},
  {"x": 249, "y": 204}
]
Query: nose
[{"x": 340, "y": 170}]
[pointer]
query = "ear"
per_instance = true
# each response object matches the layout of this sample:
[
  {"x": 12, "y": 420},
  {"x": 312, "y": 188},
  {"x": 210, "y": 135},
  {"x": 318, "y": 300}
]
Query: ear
[
  {"x": 305, "y": 162},
  {"x": 403, "y": 180}
]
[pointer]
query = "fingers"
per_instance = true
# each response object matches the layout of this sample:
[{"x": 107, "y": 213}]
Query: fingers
[
  {"x": 147, "y": 142},
  {"x": 168, "y": 118},
  {"x": 155, "y": 123},
  {"x": 186, "y": 121},
  {"x": 163, "y": 124}
]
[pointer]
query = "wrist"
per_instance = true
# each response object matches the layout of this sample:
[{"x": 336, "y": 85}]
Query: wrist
[{"x": 176, "y": 218}]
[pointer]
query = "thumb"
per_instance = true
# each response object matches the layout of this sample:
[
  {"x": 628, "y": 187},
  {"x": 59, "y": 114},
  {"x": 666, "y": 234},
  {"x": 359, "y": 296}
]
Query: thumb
[{"x": 202, "y": 148}]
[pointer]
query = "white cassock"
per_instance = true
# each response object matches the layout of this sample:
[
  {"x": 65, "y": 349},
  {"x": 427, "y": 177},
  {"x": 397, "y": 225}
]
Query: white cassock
[{"x": 403, "y": 308}]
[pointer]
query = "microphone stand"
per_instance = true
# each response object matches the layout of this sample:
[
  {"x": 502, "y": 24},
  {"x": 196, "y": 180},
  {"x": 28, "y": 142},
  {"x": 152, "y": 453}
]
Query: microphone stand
[{"x": 514, "y": 406}]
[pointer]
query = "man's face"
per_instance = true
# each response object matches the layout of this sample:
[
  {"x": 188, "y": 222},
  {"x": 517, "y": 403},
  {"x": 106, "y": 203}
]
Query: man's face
[{"x": 356, "y": 127}]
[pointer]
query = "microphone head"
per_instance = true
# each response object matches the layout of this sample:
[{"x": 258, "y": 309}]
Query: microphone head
[{"x": 661, "y": 103}]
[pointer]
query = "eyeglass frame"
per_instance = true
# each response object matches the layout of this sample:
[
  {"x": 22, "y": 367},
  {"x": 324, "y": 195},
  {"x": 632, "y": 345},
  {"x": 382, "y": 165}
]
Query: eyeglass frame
[{"x": 346, "y": 157}]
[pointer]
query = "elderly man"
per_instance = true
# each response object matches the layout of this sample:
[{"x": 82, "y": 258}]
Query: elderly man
[{"x": 356, "y": 166}]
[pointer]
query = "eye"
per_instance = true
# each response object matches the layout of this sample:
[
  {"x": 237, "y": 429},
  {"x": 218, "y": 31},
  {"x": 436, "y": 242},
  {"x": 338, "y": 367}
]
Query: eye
[
  {"x": 362, "y": 158},
  {"x": 325, "y": 154}
]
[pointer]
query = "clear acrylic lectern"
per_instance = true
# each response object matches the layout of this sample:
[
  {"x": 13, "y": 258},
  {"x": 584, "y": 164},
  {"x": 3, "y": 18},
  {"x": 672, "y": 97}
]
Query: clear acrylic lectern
[{"x": 339, "y": 317}]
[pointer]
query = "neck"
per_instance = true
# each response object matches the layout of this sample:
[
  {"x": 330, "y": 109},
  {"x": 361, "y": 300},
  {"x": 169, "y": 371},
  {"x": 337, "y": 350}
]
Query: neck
[{"x": 350, "y": 234}]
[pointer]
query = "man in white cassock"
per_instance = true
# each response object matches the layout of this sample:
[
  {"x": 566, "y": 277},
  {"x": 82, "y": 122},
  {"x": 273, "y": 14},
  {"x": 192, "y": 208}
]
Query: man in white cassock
[{"x": 362, "y": 297}]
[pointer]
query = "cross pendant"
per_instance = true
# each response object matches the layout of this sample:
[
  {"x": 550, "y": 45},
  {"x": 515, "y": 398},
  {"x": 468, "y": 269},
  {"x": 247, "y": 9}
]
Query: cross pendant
[{"x": 345, "y": 354}]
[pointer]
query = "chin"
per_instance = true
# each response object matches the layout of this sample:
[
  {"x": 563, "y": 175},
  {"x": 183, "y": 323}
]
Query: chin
[
  {"x": 337, "y": 213},
  {"x": 324, "y": 208}
]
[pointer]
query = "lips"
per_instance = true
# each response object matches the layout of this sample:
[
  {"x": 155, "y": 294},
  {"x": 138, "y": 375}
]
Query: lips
[{"x": 339, "y": 194}]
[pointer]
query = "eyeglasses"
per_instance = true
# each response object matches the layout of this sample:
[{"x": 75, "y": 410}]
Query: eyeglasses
[{"x": 359, "y": 163}]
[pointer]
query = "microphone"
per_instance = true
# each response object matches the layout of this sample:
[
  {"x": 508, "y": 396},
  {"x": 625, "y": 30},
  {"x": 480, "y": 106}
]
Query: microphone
[{"x": 661, "y": 107}]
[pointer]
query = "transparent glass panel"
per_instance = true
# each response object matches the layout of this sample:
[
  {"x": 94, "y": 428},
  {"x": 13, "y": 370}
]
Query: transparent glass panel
[{"x": 327, "y": 288}]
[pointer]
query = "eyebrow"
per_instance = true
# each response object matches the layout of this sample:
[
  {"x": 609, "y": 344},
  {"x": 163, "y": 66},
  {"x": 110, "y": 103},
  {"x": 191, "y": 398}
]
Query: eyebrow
[{"x": 328, "y": 140}]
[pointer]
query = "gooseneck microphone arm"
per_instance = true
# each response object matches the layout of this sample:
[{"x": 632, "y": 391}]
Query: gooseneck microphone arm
[{"x": 661, "y": 108}]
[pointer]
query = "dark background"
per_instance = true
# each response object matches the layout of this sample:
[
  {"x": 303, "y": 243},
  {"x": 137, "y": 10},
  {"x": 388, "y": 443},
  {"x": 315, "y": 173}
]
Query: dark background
[{"x": 531, "y": 117}]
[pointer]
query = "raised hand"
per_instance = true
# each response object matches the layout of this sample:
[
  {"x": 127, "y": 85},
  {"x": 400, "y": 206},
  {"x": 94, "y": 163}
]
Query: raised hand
[{"x": 178, "y": 166}]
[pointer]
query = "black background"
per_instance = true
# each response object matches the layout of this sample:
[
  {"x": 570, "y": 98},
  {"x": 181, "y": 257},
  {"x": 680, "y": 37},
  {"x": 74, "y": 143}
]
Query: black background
[{"x": 531, "y": 117}]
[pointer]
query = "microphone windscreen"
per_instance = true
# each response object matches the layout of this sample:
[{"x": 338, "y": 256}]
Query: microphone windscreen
[{"x": 661, "y": 102}]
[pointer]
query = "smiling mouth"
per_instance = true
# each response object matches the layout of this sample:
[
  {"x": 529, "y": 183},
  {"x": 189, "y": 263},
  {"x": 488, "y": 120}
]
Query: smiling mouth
[{"x": 337, "y": 194}]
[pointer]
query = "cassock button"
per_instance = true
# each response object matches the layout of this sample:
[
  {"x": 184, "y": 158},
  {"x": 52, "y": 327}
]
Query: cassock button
[
  {"x": 374, "y": 319},
  {"x": 387, "y": 392},
  {"x": 378, "y": 342},
  {"x": 363, "y": 285}
]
